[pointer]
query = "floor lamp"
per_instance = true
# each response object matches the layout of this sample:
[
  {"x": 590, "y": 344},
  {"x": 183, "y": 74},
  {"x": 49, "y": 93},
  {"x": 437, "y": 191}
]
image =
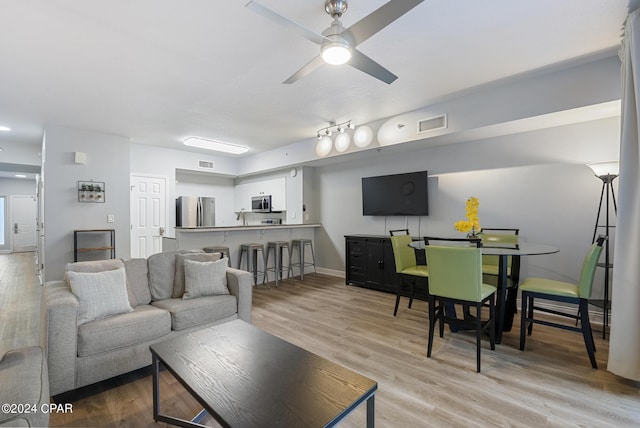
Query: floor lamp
[{"x": 607, "y": 172}]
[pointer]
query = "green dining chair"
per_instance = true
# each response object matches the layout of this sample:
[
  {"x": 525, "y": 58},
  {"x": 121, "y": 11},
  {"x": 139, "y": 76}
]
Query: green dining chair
[
  {"x": 565, "y": 292},
  {"x": 498, "y": 237},
  {"x": 455, "y": 277},
  {"x": 490, "y": 264},
  {"x": 407, "y": 267}
]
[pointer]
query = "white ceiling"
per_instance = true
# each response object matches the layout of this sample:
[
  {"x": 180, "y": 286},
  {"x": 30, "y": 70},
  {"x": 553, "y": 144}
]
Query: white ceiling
[{"x": 157, "y": 71}]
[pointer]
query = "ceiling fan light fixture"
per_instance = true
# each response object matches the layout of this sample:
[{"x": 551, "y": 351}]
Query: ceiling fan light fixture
[
  {"x": 336, "y": 52},
  {"x": 218, "y": 146}
]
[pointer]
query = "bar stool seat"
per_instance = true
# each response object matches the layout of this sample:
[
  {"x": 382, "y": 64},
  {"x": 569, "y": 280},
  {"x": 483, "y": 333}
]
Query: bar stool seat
[
  {"x": 218, "y": 249},
  {"x": 301, "y": 245},
  {"x": 252, "y": 250},
  {"x": 277, "y": 268}
]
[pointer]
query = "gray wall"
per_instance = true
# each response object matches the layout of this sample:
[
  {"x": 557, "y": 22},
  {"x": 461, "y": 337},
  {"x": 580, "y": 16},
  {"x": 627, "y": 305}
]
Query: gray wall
[
  {"x": 536, "y": 181},
  {"x": 17, "y": 186},
  {"x": 107, "y": 161}
]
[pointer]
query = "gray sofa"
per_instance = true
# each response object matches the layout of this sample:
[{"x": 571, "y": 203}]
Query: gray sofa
[{"x": 80, "y": 355}]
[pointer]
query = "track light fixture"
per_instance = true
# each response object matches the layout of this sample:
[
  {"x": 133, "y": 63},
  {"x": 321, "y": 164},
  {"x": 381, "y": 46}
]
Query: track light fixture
[
  {"x": 338, "y": 127},
  {"x": 342, "y": 142}
]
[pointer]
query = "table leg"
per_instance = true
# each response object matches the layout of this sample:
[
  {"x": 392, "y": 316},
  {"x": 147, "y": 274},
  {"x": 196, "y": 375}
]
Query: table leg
[
  {"x": 156, "y": 386},
  {"x": 371, "y": 411},
  {"x": 501, "y": 302}
]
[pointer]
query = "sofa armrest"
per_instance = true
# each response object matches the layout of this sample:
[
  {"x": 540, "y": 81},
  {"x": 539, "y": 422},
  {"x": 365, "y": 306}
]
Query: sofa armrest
[
  {"x": 240, "y": 284},
  {"x": 59, "y": 335}
]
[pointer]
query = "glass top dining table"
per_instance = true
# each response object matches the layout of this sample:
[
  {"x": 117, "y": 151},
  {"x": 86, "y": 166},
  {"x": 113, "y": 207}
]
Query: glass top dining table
[{"x": 505, "y": 309}]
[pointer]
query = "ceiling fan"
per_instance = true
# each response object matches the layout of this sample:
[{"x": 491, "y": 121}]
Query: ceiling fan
[{"x": 337, "y": 44}]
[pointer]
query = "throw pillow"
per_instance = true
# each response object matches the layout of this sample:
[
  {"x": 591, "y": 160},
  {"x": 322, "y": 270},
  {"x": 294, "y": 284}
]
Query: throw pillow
[
  {"x": 205, "y": 278},
  {"x": 178, "y": 280},
  {"x": 100, "y": 294}
]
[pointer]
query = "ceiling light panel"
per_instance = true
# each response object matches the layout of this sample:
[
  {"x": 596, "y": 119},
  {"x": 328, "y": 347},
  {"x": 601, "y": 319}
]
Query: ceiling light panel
[{"x": 218, "y": 146}]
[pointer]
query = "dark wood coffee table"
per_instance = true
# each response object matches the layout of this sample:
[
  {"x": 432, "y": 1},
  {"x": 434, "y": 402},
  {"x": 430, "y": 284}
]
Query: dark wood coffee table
[{"x": 245, "y": 377}]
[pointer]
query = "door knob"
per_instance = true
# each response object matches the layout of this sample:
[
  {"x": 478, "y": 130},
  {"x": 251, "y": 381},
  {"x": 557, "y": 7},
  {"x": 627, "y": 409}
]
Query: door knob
[
  {"x": 161, "y": 231},
  {"x": 15, "y": 228}
]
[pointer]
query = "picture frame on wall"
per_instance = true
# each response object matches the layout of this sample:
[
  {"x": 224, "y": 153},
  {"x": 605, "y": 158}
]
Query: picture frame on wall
[{"x": 91, "y": 192}]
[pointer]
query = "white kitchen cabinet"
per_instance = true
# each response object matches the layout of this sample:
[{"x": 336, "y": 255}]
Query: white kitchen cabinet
[{"x": 275, "y": 187}]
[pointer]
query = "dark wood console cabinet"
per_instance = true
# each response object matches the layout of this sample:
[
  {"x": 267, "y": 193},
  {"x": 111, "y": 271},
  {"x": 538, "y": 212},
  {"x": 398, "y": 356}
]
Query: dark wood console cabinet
[{"x": 369, "y": 262}]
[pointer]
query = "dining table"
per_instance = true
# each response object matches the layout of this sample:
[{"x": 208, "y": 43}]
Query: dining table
[{"x": 505, "y": 309}]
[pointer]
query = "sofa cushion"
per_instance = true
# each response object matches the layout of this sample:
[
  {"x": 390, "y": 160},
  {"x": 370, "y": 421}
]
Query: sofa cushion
[
  {"x": 137, "y": 281},
  {"x": 162, "y": 271},
  {"x": 145, "y": 323},
  {"x": 205, "y": 278},
  {"x": 179, "y": 280},
  {"x": 100, "y": 294},
  {"x": 193, "y": 312}
]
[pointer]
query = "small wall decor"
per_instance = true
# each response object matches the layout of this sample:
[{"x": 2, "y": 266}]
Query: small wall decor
[{"x": 91, "y": 191}]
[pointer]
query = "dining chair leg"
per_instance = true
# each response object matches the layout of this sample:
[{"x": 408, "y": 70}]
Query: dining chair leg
[
  {"x": 441, "y": 315},
  {"x": 492, "y": 323},
  {"x": 432, "y": 324},
  {"x": 411, "y": 287},
  {"x": 523, "y": 319},
  {"x": 478, "y": 334},
  {"x": 586, "y": 332},
  {"x": 398, "y": 294},
  {"x": 530, "y": 326}
]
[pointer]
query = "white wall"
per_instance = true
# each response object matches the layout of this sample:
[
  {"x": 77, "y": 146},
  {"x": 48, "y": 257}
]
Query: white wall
[
  {"x": 20, "y": 153},
  {"x": 17, "y": 186},
  {"x": 536, "y": 181},
  {"x": 107, "y": 161}
]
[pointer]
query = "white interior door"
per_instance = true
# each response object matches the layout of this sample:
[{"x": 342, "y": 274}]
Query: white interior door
[
  {"x": 148, "y": 208},
  {"x": 23, "y": 223}
]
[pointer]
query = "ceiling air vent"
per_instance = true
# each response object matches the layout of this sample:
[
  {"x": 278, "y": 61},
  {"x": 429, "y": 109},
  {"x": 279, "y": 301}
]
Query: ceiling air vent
[
  {"x": 433, "y": 123},
  {"x": 206, "y": 164}
]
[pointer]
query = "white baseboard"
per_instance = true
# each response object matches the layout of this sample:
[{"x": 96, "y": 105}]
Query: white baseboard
[{"x": 331, "y": 272}]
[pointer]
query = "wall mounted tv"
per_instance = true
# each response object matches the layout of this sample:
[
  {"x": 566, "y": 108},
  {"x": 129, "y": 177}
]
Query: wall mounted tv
[{"x": 397, "y": 194}]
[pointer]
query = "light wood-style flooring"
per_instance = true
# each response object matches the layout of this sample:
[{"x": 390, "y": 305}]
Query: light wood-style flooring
[{"x": 550, "y": 384}]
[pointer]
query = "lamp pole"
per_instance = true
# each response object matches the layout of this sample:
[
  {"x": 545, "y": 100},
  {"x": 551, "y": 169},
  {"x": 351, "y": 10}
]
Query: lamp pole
[{"x": 607, "y": 187}]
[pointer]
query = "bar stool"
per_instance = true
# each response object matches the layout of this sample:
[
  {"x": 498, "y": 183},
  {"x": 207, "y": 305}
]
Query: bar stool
[
  {"x": 223, "y": 250},
  {"x": 252, "y": 250},
  {"x": 277, "y": 247},
  {"x": 301, "y": 245}
]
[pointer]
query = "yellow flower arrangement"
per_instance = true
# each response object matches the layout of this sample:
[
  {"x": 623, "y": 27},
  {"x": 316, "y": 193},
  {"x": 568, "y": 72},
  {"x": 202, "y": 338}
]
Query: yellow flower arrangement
[{"x": 472, "y": 224}]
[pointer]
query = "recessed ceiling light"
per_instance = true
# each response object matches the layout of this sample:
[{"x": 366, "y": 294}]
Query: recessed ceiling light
[
  {"x": 4, "y": 128},
  {"x": 218, "y": 146},
  {"x": 21, "y": 176}
]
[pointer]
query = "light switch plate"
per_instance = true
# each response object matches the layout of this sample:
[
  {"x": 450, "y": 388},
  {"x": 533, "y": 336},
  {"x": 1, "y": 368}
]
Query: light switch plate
[{"x": 111, "y": 218}]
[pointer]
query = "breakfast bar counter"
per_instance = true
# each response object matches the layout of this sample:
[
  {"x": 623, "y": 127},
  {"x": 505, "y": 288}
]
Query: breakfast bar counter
[{"x": 197, "y": 238}]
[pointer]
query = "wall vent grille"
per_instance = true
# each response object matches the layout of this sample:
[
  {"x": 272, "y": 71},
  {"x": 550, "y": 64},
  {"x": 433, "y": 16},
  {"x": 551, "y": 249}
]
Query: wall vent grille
[
  {"x": 206, "y": 164},
  {"x": 432, "y": 123}
]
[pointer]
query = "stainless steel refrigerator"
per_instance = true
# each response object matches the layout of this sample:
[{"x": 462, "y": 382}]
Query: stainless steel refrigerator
[{"x": 194, "y": 211}]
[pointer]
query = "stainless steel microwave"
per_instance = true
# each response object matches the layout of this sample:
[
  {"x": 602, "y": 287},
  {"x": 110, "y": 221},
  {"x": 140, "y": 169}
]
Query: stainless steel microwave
[{"x": 261, "y": 204}]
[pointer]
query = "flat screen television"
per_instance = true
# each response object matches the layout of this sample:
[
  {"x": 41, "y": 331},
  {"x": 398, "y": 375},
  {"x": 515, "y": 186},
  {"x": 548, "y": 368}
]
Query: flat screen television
[{"x": 396, "y": 194}]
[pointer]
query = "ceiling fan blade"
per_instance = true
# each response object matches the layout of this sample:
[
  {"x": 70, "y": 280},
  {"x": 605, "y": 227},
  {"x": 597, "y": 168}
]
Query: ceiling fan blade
[
  {"x": 378, "y": 19},
  {"x": 281, "y": 20},
  {"x": 372, "y": 68},
  {"x": 306, "y": 69}
]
